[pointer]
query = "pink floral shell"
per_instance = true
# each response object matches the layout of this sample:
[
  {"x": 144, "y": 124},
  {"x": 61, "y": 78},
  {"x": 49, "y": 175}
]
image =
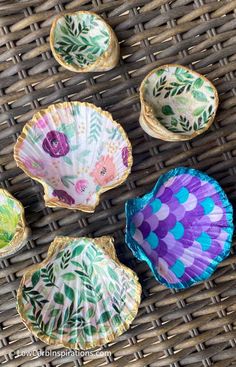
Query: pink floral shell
[{"x": 76, "y": 151}]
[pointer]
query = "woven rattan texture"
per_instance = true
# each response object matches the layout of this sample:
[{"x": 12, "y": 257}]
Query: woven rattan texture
[{"x": 195, "y": 327}]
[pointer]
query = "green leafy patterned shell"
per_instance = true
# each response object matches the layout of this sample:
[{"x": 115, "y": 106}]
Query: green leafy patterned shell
[
  {"x": 9, "y": 218},
  {"x": 80, "y": 39},
  {"x": 182, "y": 101},
  {"x": 13, "y": 231},
  {"x": 80, "y": 296}
]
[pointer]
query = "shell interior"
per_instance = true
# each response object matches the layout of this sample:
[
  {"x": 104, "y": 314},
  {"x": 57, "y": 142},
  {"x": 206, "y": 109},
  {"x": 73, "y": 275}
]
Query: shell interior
[
  {"x": 10, "y": 220},
  {"x": 182, "y": 101},
  {"x": 182, "y": 229},
  {"x": 76, "y": 151},
  {"x": 80, "y": 38},
  {"x": 80, "y": 296}
]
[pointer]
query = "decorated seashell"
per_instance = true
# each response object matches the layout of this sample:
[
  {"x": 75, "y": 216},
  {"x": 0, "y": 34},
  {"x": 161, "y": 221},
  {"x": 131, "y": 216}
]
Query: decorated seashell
[
  {"x": 183, "y": 228},
  {"x": 76, "y": 151},
  {"x": 80, "y": 296},
  {"x": 13, "y": 229},
  {"x": 176, "y": 103},
  {"x": 82, "y": 41}
]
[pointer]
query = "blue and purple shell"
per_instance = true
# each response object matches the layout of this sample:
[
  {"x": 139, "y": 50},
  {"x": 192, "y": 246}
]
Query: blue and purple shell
[{"x": 183, "y": 228}]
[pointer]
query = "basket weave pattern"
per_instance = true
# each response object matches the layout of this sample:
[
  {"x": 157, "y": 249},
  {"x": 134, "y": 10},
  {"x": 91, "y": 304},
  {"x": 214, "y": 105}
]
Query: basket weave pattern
[{"x": 195, "y": 327}]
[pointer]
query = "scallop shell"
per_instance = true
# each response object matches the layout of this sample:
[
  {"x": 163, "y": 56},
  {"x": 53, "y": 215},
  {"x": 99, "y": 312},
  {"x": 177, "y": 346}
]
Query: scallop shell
[
  {"x": 176, "y": 103},
  {"x": 183, "y": 228},
  {"x": 80, "y": 296},
  {"x": 13, "y": 229},
  {"x": 76, "y": 151},
  {"x": 82, "y": 41}
]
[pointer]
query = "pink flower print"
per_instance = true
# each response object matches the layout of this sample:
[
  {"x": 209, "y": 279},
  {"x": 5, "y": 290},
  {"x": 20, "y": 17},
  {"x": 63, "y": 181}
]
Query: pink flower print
[
  {"x": 81, "y": 186},
  {"x": 86, "y": 189},
  {"x": 34, "y": 166},
  {"x": 104, "y": 171}
]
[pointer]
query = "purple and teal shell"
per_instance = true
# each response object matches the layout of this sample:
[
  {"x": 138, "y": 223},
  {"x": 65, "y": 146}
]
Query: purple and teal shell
[{"x": 183, "y": 228}]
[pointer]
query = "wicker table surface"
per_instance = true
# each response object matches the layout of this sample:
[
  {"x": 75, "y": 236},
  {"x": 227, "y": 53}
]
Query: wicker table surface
[{"x": 195, "y": 327}]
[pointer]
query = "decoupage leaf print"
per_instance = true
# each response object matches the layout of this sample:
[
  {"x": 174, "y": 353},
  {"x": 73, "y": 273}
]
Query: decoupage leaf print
[
  {"x": 80, "y": 295},
  {"x": 9, "y": 219},
  {"x": 59, "y": 298},
  {"x": 80, "y": 39},
  {"x": 68, "y": 161},
  {"x": 95, "y": 128},
  {"x": 182, "y": 101},
  {"x": 68, "y": 180},
  {"x": 65, "y": 259},
  {"x": 199, "y": 96},
  {"x": 48, "y": 276},
  {"x": 69, "y": 276},
  {"x": 167, "y": 110}
]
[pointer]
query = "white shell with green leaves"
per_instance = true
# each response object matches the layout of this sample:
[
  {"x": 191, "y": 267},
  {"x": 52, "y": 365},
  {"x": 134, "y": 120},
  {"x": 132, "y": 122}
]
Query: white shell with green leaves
[
  {"x": 183, "y": 101},
  {"x": 79, "y": 39},
  {"x": 81, "y": 296}
]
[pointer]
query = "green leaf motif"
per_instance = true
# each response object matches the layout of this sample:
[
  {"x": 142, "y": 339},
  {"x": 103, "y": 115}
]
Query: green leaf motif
[
  {"x": 54, "y": 312},
  {"x": 67, "y": 160},
  {"x": 198, "y": 83},
  {"x": 82, "y": 157},
  {"x": 9, "y": 219},
  {"x": 199, "y": 110},
  {"x": 195, "y": 126},
  {"x": 113, "y": 133},
  {"x": 167, "y": 110},
  {"x": 199, "y": 96},
  {"x": 82, "y": 306},
  {"x": 35, "y": 278},
  {"x": 209, "y": 89},
  {"x": 76, "y": 41},
  {"x": 77, "y": 251},
  {"x": 73, "y": 148},
  {"x": 105, "y": 316},
  {"x": 69, "y": 276},
  {"x": 65, "y": 259},
  {"x": 174, "y": 121},
  {"x": 68, "y": 130},
  {"x": 112, "y": 274},
  {"x": 59, "y": 298},
  {"x": 116, "y": 319},
  {"x": 48, "y": 275},
  {"x": 90, "y": 313},
  {"x": 95, "y": 128},
  {"x": 69, "y": 292},
  {"x": 160, "y": 72},
  {"x": 160, "y": 85},
  {"x": 183, "y": 75},
  {"x": 90, "y": 330},
  {"x": 67, "y": 180}
]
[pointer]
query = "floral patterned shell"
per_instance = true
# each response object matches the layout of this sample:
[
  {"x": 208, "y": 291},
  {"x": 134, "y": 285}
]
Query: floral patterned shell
[{"x": 76, "y": 151}]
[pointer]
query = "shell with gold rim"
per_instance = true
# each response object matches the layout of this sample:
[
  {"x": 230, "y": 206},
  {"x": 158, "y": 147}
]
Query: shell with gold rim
[
  {"x": 13, "y": 229},
  {"x": 82, "y": 41},
  {"x": 80, "y": 296},
  {"x": 177, "y": 103},
  {"x": 77, "y": 151}
]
